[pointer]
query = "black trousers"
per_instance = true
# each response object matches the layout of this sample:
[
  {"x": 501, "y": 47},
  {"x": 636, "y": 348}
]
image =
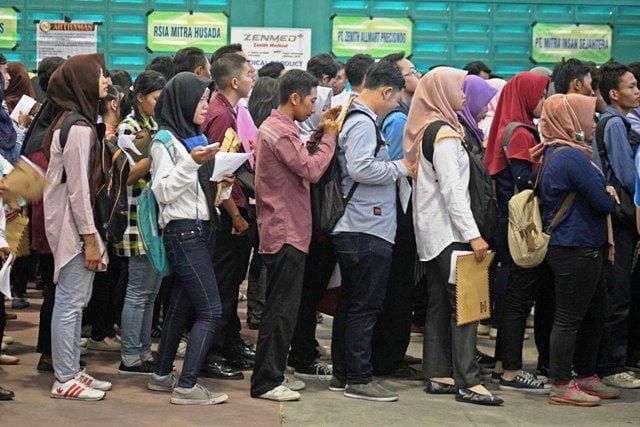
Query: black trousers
[
  {"x": 285, "y": 272},
  {"x": 230, "y": 262},
  {"x": 104, "y": 297},
  {"x": 20, "y": 272},
  {"x": 613, "y": 354},
  {"x": 319, "y": 267},
  {"x": 526, "y": 287},
  {"x": 46, "y": 269},
  {"x": 580, "y": 309},
  {"x": 257, "y": 286},
  {"x": 392, "y": 331}
]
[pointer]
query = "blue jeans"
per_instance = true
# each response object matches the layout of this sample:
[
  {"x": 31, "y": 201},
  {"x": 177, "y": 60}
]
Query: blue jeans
[
  {"x": 137, "y": 312},
  {"x": 73, "y": 292},
  {"x": 195, "y": 294},
  {"x": 364, "y": 261}
]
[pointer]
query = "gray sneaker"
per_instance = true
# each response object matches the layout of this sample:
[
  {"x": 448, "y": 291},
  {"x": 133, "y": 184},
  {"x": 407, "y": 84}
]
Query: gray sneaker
[
  {"x": 370, "y": 391},
  {"x": 198, "y": 395},
  {"x": 167, "y": 383},
  {"x": 336, "y": 384}
]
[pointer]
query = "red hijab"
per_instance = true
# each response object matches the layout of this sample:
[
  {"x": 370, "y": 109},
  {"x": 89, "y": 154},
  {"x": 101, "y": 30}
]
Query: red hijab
[{"x": 519, "y": 98}]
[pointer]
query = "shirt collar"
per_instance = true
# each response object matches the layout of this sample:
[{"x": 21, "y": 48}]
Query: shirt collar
[{"x": 610, "y": 110}]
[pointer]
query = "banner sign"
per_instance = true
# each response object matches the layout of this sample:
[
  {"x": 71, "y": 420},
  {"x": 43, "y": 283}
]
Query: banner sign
[
  {"x": 8, "y": 28},
  {"x": 552, "y": 42},
  {"x": 172, "y": 31},
  {"x": 290, "y": 46},
  {"x": 377, "y": 37},
  {"x": 65, "y": 39}
]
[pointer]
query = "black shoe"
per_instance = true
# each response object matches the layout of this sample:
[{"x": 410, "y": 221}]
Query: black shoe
[
  {"x": 83, "y": 363},
  {"x": 406, "y": 373},
  {"x": 156, "y": 332},
  {"x": 220, "y": 370},
  {"x": 254, "y": 326},
  {"x": 246, "y": 350},
  {"x": 44, "y": 367},
  {"x": 496, "y": 377},
  {"x": 240, "y": 363},
  {"x": 484, "y": 360},
  {"x": 468, "y": 396},
  {"x": 542, "y": 373},
  {"x": 144, "y": 368},
  {"x": 435, "y": 387},
  {"x": 6, "y": 394}
]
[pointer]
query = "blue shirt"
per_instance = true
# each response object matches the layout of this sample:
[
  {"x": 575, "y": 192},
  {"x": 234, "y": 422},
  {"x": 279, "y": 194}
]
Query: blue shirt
[
  {"x": 621, "y": 156},
  {"x": 585, "y": 223},
  {"x": 393, "y": 132}
]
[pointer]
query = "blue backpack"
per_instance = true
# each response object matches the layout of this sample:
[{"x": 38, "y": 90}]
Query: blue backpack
[{"x": 148, "y": 216}]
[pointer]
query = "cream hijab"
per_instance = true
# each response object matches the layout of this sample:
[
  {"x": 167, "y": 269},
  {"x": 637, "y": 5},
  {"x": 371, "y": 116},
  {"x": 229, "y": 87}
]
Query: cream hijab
[{"x": 432, "y": 101}]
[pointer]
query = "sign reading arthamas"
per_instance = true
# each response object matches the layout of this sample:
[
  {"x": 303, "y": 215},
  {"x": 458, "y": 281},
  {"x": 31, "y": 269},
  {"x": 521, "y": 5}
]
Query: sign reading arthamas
[
  {"x": 290, "y": 46},
  {"x": 65, "y": 39},
  {"x": 377, "y": 37},
  {"x": 171, "y": 31},
  {"x": 552, "y": 42},
  {"x": 8, "y": 28}
]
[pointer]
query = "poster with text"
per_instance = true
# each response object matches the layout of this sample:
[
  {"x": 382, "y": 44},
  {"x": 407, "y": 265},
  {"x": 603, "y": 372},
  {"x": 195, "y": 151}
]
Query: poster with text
[
  {"x": 290, "y": 46},
  {"x": 377, "y": 37},
  {"x": 552, "y": 42},
  {"x": 8, "y": 28},
  {"x": 172, "y": 31},
  {"x": 65, "y": 39}
]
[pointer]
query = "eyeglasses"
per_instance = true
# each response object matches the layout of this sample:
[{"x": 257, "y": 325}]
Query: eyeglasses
[{"x": 412, "y": 71}]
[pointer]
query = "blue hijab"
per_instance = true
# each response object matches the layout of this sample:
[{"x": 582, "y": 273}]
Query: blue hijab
[{"x": 9, "y": 149}]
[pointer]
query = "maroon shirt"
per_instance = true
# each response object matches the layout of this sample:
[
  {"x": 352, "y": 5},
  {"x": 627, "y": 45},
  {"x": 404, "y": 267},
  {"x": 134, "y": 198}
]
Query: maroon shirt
[
  {"x": 284, "y": 169},
  {"x": 221, "y": 117}
]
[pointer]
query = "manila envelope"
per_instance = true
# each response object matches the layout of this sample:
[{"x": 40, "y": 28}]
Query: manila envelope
[{"x": 472, "y": 289}]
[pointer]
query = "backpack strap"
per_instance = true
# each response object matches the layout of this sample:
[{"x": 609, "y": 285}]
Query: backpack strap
[
  {"x": 65, "y": 128},
  {"x": 167, "y": 141},
  {"x": 429, "y": 137},
  {"x": 602, "y": 148},
  {"x": 568, "y": 200},
  {"x": 511, "y": 127}
]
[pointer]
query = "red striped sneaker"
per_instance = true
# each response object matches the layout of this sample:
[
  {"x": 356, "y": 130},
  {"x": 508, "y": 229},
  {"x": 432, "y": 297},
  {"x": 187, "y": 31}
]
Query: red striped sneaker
[
  {"x": 75, "y": 390},
  {"x": 88, "y": 380}
]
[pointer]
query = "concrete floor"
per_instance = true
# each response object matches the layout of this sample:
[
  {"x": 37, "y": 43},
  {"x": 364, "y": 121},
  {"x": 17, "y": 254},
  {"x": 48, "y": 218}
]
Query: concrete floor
[{"x": 130, "y": 404}]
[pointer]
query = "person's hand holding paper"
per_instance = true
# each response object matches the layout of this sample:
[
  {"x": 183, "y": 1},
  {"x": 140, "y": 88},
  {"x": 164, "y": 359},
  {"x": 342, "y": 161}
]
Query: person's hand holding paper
[{"x": 228, "y": 163}]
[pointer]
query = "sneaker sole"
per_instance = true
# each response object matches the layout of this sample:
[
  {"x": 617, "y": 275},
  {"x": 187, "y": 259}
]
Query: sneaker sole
[
  {"x": 280, "y": 399},
  {"x": 102, "y": 389},
  {"x": 602, "y": 395},
  {"x": 312, "y": 376},
  {"x": 561, "y": 401},
  {"x": 626, "y": 387},
  {"x": 525, "y": 390},
  {"x": 133, "y": 373},
  {"x": 373, "y": 399},
  {"x": 337, "y": 388},
  {"x": 158, "y": 388},
  {"x": 88, "y": 399},
  {"x": 215, "y": 401}
]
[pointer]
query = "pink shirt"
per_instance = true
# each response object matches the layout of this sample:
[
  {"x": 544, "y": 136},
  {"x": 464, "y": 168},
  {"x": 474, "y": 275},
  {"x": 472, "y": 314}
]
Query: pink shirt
[{"x": 284, "y": 171}]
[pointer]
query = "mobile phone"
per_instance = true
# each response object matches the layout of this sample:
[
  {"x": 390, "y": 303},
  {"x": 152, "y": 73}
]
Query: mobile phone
[{"x": 212, "y": 146}]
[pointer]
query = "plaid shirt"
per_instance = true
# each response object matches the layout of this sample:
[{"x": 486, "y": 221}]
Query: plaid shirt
[{"x": 131, "y": 245}]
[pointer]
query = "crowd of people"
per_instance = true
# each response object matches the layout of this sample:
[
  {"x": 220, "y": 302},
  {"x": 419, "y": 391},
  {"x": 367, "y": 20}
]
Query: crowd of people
[{"x": 364, "y": 172}]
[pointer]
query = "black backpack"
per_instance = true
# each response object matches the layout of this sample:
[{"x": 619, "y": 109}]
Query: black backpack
[
  {"x": 626, "y": 211},
  {"x": 327, "y": 203},
  {"x": 111, "y": 206},
  {"x": 483, "y": 201}
]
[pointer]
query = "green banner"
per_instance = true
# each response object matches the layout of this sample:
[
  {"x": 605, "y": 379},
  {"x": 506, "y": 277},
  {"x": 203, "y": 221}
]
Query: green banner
[
  {"x": 377, "y": 37},
  {"x": 171, "y": 31},
  {"x": 552, "y": 42},
  {"x": 8, "y": 28}
]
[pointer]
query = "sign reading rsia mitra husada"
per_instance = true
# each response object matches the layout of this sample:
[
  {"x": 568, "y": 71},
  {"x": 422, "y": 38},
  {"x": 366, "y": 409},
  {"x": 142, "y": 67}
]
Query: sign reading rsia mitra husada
[
  {"x": 171, "y": 31},
  {"x": 290, "y": 46},
  {"x": 377, "y": 37}
]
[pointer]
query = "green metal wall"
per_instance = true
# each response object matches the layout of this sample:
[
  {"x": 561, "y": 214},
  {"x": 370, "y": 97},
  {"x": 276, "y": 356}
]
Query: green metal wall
[{"x": 452, "y": 32}]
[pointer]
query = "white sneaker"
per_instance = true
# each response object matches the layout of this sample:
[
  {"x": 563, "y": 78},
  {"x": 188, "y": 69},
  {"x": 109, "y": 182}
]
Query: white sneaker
[
  {"x": 493, "y": 333},
  {"x": 182, "y": 349},
  {"x": 483, "y": 330},
  {"x": 281, "y": 394},
  {"x": 622, "y": 380},
  {"x": 4, "y": 347},
  {"x": 107, "y": 344},
  {"x": 75, "y": 390},
  {"x": 7, "y": 340},
  {"x": 83, "y": 342},
  {"x": 89, "y": 381},
  {"x": 293, "y": 384}
]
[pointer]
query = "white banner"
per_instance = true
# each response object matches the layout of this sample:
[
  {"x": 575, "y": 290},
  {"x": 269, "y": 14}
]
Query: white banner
[
  {"x": 65, "y": 39},
  {"x": 290, "y": 46}
]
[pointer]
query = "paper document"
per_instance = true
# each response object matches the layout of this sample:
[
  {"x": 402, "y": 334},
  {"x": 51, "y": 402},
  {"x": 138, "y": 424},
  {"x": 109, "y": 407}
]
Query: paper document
[
  {"x": 5, "y": 276},
  {"x": 228, "y": 163},
  {"x": 472, "y": 289},
  {"x": 454, "y": 261},
  {"x": 125, "y": 142},
  {"x": 25, "y": 105}
]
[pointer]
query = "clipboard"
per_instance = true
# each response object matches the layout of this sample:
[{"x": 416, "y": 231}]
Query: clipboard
[{"x": 472, "y": 289}]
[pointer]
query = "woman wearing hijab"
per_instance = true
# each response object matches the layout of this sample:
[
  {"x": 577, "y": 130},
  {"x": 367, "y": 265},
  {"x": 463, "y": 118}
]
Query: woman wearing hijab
[
  {"x": 443, "y": 223},
  {"x": 485, "y": 123},
  {"x": 78, "y": 250},
  {"x": 19, "y": 85},
  {"x": 577, "y": 249},
  {"x": 186, "y": 215},
  {"x": 478, "y": 93}
]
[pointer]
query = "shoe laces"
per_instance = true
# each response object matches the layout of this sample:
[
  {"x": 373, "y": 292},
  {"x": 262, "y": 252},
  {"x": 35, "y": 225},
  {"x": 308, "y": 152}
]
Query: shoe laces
[
  {"x": 205, "y": 390},
  {"x": 627, "y": 376},
  {"x": 529, "y": 379},
  {"x": 322, "y": 369}
]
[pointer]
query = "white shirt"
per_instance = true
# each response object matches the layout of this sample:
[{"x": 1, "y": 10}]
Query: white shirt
[
  {"x": 442, "y": 206},
  {"x": 176, "y": 185},
  {"x": 323, "y": 103}
]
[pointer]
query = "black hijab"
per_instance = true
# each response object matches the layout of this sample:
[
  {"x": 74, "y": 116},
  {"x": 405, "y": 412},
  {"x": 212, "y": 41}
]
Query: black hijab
[
  {"x": 8, "y": 136},
  {"x": 175, "y": 109}
]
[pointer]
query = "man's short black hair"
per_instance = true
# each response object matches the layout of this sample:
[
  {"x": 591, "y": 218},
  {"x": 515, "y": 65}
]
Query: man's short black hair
[
  {"x": 46, "y": 68},
  {"x": 163, "y": 65},
  {"x": 567, "y": 71},
  {"x": 477, "y": 67},
  {"x": 121, "y": 78},
  {"x": 271, "y": 69},
  {"x": 384, "y": 73},
  {"x": 356, "y": 68},
  {"x": 226, "y": 67},
  {"x": 296, "y": 81},
  {"x": 393, "y": 57},
  {"x": 228, "y": 48},
  {"x": 610, "y": 75},
  {"x": 3, "y": 60},
  {"x": 188, "y": 59},
  {"x": 340, "y": 65},
  {"x": 635, "y": 69},
  {"x": 322, "y": 64},
  {"x": 595, "y": 75}
]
